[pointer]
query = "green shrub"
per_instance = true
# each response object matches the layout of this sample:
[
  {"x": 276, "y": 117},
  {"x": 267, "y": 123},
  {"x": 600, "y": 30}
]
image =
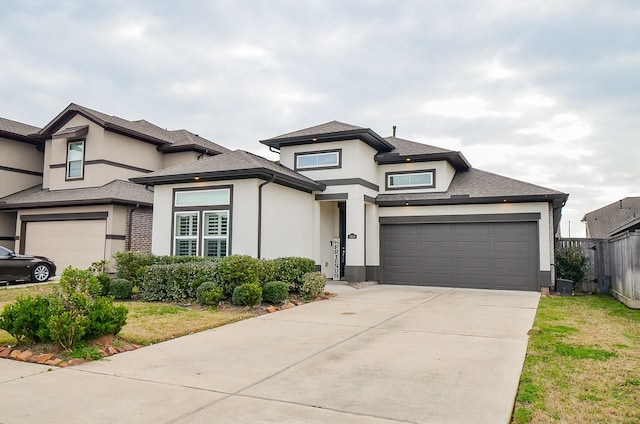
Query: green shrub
[
  {"x": 104, "y": 318},
  {"x": 572, "y": 263},
  {"x": 26, "y": 319},
  {"x": 275, "y": 291},
  {"x": 176, "y": 282},
  {"x": 267, "y": 270},
  {"x": 74, "y": 280},
  {"x": 67, "y": 328},
  {"x": 120, "y": 288},
  {"x": 248, "y": 294},
  {"x": 104, "y": 281},
  {"x": 209, "y": 293},
  {"x": 313, "y": 285},
  {"x": 236, "y": 270},
  {"x": 292, "y": 269},
  {"x": 132, "y": 265},
  {"x": 67, "y": 316}
]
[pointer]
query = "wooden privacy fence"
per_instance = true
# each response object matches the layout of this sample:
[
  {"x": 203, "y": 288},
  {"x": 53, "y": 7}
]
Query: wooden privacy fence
[
  {"x": 618, "y": 257},
  {"x": 598, "y": 252}
]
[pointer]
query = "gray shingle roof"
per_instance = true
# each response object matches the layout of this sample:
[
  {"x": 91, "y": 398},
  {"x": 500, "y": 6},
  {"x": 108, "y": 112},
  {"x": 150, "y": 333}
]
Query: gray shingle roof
[
  {"x": 236, "y": 164},
  {"x": 116, "y": 191},
  {"x": 141, "y": 128},
  {"x": 407, "y": 147},
  {"x": 18, "y": 128},
  {"x": 327, "y": 128},
  {"x": 602, "y": 222},
  {"x": 474, "y": 185}
]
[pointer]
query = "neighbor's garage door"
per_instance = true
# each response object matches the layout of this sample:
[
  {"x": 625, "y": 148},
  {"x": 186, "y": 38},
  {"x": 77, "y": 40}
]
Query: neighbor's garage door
[
  {"x": 495, "y": 255},
  {"x": 75, "y": 243}
]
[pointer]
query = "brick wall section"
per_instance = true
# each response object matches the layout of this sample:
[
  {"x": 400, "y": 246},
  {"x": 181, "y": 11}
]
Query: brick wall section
[{"x": 141, "y": 224}]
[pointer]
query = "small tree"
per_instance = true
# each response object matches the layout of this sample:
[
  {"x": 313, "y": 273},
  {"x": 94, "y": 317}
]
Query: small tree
[{"x": 572, "y": 264}]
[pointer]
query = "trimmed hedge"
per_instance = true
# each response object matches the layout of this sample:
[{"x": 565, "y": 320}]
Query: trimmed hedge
[
  {"x": 120, "y": 288},
  {"x": 291, "y": 270},
  {"x": 209, "y": 293},
  {"x": 236, "y": 270},
  {"x": 176, "y": 282},
  {"x": 313, "y": 285}
]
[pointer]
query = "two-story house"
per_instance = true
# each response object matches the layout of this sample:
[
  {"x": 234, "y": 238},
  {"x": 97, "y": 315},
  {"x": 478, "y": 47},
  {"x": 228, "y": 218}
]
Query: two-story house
[
  {"x": 21, "y": 159},
  {"x": 79, "y": 205},
  {"x": 363, "y": 207}
]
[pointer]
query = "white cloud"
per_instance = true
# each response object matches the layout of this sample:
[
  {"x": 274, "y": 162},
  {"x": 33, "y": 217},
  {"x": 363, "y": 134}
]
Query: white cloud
[
  {"x": 496, "y": 70},
  {"x": 562, "y": 127},
  {"x": 534, "y": 100},
  {"x": 470, "y": 107}
]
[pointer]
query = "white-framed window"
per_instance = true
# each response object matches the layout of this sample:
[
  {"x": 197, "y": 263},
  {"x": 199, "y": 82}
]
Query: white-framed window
[
  {"x": 315, "y": 160},
  {"x": 75, "y": 159},
  {"x": 215, "y": 233},
  {"x": 186, "y": 234},
  {"x": 412, "y": 179}
]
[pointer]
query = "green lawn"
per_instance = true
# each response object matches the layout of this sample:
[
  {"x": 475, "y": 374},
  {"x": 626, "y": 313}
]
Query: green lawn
[{"x": 583, "y": 363}]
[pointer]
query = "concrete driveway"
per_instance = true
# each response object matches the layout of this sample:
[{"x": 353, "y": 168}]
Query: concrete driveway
[{"x": 382, "y": 354}]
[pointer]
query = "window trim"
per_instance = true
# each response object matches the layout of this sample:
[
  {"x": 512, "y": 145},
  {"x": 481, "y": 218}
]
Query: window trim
[
  {"x": 317, "y": 152},
  {"x": 201, "y": 210},
  {"x": 198, "y": 205},
  {"x": 176, "y": 237},
  {"x": 388, "y": 175},
  {"x": 204, "y": 237},
  {"x": 83, "y": 143}
]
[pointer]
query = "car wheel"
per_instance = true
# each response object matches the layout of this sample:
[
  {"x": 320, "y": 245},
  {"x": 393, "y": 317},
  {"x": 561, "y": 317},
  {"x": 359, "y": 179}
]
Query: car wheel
[{"x": 40, "y": 273}]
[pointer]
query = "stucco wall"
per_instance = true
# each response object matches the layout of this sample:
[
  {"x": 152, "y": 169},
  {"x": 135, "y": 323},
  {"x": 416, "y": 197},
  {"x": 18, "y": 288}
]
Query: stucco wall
[
  {"x": 19, "y": 156},
  {"x": 357, "y": 160},
  {"x": 244, "y": 218},
  {"x": 173, "y": 159},
  {"x": 287, "y": 222},
  {"x": 444, "y": 173},
  {"x": 546, "y": 245}
]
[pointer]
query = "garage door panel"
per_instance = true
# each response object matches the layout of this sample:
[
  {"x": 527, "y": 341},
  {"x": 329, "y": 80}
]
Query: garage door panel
[
  {"x": 479, "y": 255},
  {"x": 67, "y": 243}
]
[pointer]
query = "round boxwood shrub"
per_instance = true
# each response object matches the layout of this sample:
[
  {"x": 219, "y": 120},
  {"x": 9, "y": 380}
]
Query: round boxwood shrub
[
  {"x": 120, "y": 288},
  {"x": 275, "y": 291},
  {"x": 313, "y": 285},
  {"x": 249, "y": 294},
  {"x": 209, "y": 293}
]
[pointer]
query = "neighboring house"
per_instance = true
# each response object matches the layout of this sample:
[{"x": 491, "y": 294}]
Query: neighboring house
[
  {"x": 21, "y": 159},
  {"x": 363, "y": 207},
  {"x": 613, "y": 219},
  {"x": 81, "y": 207}
]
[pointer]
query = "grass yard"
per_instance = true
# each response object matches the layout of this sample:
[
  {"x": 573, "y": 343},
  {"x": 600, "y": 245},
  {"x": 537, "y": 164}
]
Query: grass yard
[
  {"x": 583, "y": 363},
  {"x": 148, "y": 322}
]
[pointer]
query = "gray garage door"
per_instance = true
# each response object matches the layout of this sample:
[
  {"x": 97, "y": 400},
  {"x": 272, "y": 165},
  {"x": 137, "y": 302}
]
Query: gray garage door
[{"x": 496, "y": 255}]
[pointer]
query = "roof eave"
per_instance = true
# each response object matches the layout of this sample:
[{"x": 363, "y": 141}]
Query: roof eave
[
  {"x": 365, "y": 134},
  {"x": 456, "y": 159},
  {"x": 169, "y": 148},
  {"x": 106, "y": 201},
  {"x": 556, "y": 199},
  {"x": 264, "y": 174}
]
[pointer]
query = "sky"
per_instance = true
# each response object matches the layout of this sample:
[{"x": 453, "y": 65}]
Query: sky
[{"x": 546, "y": 92}]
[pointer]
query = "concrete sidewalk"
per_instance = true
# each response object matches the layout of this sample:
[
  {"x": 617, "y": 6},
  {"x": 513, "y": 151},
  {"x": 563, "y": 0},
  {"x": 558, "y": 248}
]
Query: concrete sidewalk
[{"x": 376, "y": 355}]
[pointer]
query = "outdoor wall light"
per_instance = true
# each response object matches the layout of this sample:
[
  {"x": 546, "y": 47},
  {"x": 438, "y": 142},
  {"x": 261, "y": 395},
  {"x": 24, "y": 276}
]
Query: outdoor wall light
[{"x": 196, "y": 178}]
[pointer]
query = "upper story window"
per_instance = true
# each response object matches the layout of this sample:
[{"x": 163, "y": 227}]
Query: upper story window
[
  {"x": 75, "y": 159},
  {"x": 411, "y": 179},
  {"x": 319, "y": 160}
]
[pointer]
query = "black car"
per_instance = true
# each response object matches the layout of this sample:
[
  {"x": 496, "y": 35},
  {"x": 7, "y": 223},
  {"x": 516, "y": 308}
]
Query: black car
[{"x": 15, "y": 267}]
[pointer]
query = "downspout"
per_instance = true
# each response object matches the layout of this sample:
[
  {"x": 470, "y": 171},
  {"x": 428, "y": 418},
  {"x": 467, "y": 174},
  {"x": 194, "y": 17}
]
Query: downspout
[{"x": 273, "y": 179}]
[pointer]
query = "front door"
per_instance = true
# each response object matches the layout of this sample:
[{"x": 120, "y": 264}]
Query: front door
[{"x": 342, "y": 207}]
